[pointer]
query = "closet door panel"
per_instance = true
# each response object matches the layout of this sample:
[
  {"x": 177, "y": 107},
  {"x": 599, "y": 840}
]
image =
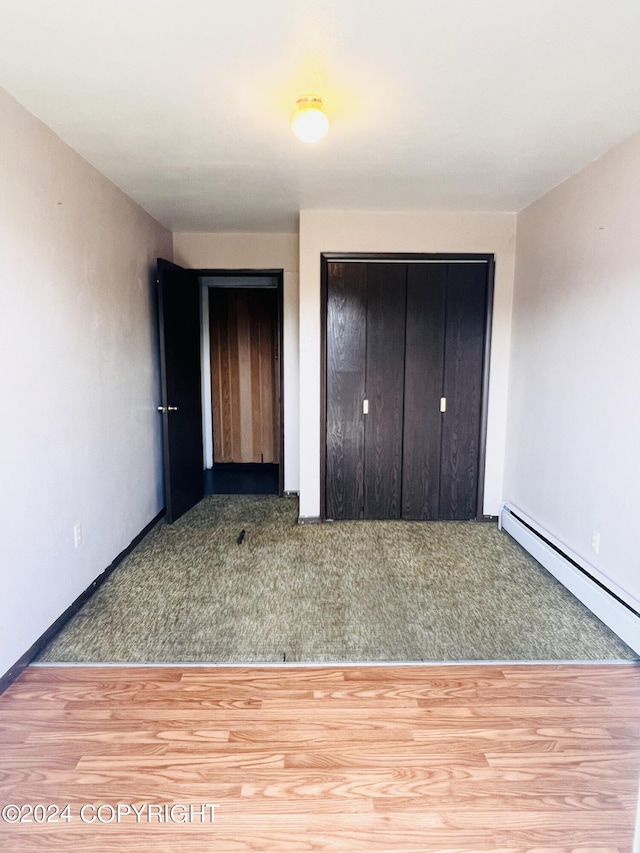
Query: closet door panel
[
  {"x": 424, "y": 363},
  {"x": 386, "y": 316},
  {"x": 464, "y": 349},
  {"x": 346, "y": 358}
]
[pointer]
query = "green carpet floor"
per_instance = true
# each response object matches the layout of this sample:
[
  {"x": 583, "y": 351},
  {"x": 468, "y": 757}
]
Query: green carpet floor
[{"x": 347, "y": 591}]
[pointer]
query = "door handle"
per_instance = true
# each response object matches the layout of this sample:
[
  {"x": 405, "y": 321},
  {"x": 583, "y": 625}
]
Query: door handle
[
  {"x": 365, "y": 407},
  {"x": 167, "y": 408}
]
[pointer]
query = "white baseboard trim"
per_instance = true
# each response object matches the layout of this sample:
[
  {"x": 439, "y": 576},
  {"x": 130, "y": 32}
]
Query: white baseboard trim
[{"x": 604, "y": 604}]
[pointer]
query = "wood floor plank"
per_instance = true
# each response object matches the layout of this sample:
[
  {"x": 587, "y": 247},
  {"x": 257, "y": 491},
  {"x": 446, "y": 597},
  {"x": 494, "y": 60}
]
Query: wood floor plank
[
  {"x": 127, "y": 735},
  {"x": 509, "y": 804},
  {"x": 321, "y": 733},
  {"x": 621, "y": 717},
  {"x": 348, "y": 833},
  {"x": 470, "y": 759}
]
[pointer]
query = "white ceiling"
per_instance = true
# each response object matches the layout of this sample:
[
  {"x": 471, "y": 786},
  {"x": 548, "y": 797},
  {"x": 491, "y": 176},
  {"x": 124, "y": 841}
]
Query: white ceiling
[{"x": 435, "y": 104}]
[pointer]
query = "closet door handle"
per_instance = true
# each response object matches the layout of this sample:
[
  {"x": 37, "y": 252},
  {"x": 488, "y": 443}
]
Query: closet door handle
[
  {"x": 365, "y": 407},
  {"x": 443, "y": 404}
]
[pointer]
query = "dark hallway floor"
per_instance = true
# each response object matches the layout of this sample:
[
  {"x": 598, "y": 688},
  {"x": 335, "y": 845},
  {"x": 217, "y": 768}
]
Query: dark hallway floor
[{"x": 242, "y": 479}]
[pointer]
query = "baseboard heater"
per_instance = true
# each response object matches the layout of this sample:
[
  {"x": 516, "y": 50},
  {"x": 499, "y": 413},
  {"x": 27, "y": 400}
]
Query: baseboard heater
[{"x": 575, "y": 574}]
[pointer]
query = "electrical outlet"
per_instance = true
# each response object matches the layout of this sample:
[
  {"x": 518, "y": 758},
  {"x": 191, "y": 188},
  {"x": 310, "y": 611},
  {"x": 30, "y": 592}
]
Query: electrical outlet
[
  {"x": 77, "y": 535},
  {"x": 595, "y": 542}
]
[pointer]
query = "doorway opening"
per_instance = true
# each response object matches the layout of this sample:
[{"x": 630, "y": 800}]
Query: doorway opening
[{"x": 242, "y": 381}]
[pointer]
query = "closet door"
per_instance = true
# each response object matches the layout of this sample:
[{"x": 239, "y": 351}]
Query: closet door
[
  {"x": 409, "y": 339},
  {"x": 386, "y": 316},
  {"x": 462, "y": 388},
  {"x": 424, "y": 366},
  {"x": 346, "y": 360}
]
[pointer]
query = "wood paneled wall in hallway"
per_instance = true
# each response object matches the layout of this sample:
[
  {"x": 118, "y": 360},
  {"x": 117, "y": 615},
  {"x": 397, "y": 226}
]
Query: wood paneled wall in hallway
[{"x": 243, "y": 327}]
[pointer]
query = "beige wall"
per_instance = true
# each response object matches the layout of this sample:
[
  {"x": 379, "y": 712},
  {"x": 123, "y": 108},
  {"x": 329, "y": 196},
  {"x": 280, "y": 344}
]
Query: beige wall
[
  {"x": 345, "y": 231},
  {"x": 573, "y": 452},
  {"x": 80, "y": 436},
  {"x": 259, "y": 251}
]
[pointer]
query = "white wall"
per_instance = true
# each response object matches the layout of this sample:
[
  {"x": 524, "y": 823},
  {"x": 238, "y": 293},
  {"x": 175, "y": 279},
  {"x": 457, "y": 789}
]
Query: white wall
[
  {"x": 573, "y": 452},
  {"x": 259, "y": 251},
  {"x": 79, "y": 435},
  {"x": 346, "y": 231}
]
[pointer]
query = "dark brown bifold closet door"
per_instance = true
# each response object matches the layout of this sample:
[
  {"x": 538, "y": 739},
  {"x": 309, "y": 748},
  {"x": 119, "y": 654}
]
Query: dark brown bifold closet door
[
  {"x": 409, "y": 339},
  {"x": 444, "y": 362},
  {"x": 384, "y": 389},
  {"x": 462, "y": 389},
  {"x": 365, "y": 361},
  {"x": 346, "y": 360},
  {"x": 426, "y": 304}
]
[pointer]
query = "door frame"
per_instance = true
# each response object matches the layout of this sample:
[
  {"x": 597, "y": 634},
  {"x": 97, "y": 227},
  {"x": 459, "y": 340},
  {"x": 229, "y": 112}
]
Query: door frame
[
  {"x": 278, "y": 274},
  {"x": 406, "y": 257}
]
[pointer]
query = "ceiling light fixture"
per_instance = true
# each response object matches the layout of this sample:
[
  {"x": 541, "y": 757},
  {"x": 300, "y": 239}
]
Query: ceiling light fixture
[{"x": 310, "y": 122}]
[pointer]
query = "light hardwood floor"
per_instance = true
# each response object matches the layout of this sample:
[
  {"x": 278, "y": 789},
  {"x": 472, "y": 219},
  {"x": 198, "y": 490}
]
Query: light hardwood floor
[{"x": 452, "y": 759}]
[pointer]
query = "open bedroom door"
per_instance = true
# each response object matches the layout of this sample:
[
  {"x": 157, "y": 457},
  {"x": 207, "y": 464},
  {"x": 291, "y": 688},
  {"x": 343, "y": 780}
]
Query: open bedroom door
[{"x": 181, "y": 408}]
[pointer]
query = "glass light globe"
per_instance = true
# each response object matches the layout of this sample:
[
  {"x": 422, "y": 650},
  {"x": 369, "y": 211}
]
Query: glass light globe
[{"x": 309, "y": 122}]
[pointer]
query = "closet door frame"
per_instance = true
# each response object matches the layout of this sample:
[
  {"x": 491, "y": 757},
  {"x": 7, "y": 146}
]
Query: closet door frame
[{"x": 405, "y": 257}]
